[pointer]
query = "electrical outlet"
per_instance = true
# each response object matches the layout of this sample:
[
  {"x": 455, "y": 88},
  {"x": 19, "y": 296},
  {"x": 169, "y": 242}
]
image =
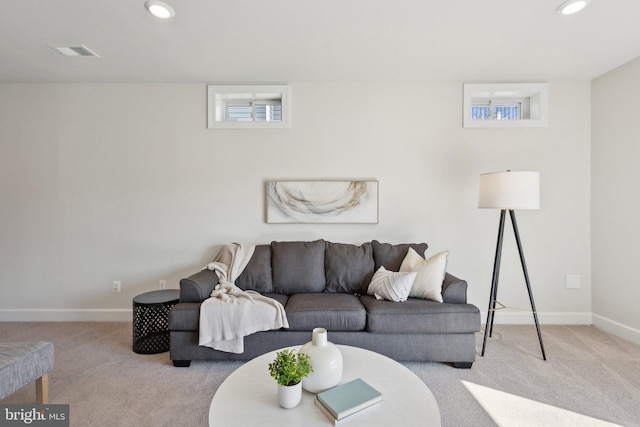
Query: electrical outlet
[
  {"x": 162, "y": 284},
  {"x": 117, "y": 285}
]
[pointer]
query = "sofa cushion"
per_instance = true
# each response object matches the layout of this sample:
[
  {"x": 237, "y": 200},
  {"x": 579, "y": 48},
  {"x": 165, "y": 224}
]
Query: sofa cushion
[
  {"x": 332, "y": 311},
  {"x": 257, "y": 274},
  {"x": 391, "y": 285},
  {"x": 390, "y": 256},
  {"x": 420, "y": 316},
  {"x": 186, "y": 316},
  {"x": 282, "y": 299},
  {"x": 348, "y": 268},
  {"x": 430, "y": 274},
  {"x": 298, "y": 267}
]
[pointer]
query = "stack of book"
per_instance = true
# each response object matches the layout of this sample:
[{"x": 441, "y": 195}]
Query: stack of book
[{"x": 342, "y": 402}]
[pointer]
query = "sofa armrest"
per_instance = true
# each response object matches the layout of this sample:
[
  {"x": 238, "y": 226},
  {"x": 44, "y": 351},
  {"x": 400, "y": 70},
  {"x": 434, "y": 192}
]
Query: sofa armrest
[
  {"x": 198, "y": 287},
  {"x": 454, "y": 290}
]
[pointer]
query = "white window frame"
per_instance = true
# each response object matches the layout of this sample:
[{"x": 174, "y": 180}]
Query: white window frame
[
  {"x": 533, "y": 96},
  {"x": 219, "y": 95}
]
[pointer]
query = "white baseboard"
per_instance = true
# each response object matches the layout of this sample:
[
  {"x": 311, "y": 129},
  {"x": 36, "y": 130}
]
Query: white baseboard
[
  {"x": 616, "y": 328},
  {"x": 65, "y": 315},
  {"x": 525, "y": 318}
]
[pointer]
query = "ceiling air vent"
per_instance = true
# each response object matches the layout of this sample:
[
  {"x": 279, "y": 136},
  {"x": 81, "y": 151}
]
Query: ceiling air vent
[{"x": 81, "y": 50}]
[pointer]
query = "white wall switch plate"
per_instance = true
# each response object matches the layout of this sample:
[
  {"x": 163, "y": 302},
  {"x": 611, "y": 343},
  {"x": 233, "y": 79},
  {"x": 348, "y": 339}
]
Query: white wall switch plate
[{"x": 572, "y": 281}]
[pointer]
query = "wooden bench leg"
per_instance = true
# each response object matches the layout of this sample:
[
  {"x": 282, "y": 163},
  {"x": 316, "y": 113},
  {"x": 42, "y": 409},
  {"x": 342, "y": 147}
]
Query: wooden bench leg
[{"x": 42, "y": 390}]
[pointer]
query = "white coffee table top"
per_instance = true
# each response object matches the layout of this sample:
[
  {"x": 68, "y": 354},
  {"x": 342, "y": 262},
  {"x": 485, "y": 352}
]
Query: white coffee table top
[{"x": 248, "y": 397}]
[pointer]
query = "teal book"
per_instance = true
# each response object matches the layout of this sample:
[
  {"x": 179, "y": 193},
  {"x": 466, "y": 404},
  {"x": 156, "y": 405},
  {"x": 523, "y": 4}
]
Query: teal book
[
  {"x": 349, "y": 398},
  {"x": 333, "y": 419}
]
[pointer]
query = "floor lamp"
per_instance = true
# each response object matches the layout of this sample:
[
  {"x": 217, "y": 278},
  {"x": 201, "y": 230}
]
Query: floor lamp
[{"x": 509, "y": 191}]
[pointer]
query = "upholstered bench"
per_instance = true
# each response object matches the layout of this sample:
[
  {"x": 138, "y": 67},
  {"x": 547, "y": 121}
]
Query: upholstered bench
[{"x": 24, "y": 362}]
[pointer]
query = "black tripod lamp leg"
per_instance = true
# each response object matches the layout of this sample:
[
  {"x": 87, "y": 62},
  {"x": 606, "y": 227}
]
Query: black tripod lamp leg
[
  {"x": 526, "y": 279},
  {"x": 493, "y": 294}
]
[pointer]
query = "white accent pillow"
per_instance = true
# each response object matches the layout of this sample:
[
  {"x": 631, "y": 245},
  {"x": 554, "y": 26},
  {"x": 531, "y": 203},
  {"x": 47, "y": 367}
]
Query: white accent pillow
[
  {"x": 390, "y": 285},
  {"x": 431, "y": 271}
]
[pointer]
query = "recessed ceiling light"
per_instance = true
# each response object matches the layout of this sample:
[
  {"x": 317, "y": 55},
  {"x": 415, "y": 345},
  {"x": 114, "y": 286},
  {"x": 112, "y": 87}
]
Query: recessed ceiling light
[
  {"x": 569, "y": 7},
  {"x": 159, "y": 9}
]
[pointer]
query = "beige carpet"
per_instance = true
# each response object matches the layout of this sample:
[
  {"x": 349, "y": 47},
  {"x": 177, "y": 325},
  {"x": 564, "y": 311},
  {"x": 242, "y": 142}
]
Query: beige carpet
[{"x": 590, "y": 376}]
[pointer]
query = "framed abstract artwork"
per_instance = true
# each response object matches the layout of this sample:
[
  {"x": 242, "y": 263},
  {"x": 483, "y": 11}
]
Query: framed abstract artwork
[{"x": 322, "y": 202}]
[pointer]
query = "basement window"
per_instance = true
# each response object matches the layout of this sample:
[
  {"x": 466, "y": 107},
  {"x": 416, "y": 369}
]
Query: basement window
[
  {"x": 253, "y": 111},
  {"x": 248, "y": 106},
  {"x": 490, "y": 109},
  {"x": 505, "y": 105}
]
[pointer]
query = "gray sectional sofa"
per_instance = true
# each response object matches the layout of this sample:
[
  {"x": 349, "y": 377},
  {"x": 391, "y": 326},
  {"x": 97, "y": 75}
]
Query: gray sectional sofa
[{"x": 324, "y": 284}]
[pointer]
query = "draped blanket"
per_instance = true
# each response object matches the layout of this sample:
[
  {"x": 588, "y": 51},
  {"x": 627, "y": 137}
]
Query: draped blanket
[{"x": 231, "y": 313}]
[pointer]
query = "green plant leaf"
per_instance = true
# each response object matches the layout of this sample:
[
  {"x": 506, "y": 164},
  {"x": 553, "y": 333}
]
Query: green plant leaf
[{"x": 289, "y": 367}]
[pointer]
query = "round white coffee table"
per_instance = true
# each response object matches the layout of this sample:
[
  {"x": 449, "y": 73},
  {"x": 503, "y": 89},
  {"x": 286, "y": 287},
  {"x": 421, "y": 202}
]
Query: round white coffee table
[{"x": 248, "y": 397}]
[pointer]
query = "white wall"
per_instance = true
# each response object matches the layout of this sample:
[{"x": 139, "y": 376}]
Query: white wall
[
  {"x": 615, "y": 203},
  {"x": 124, "y": 182}
]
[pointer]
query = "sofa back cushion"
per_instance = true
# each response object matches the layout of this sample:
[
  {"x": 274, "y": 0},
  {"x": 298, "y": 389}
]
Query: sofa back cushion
[
  {"x": 391, "y": 256},
  {"x": 257, "y": 274},
  {"x": 298, "y": 267},
  {"x": 348, "y": 268}
]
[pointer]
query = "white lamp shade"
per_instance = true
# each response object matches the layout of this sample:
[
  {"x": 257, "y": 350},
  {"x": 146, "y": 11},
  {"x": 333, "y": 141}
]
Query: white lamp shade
[{"x": 510, "y": 190}]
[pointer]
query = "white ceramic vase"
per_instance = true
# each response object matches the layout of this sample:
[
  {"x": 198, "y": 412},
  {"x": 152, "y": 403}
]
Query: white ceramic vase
[
  {"x": 289, "y": 396},
  {"x": 326, "y": 360}
]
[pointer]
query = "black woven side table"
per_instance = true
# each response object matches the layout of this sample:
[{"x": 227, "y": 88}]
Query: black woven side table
[{"x": 151, "y": 320}]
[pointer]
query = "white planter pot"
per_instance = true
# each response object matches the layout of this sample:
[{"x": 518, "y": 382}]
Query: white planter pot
[
  {"x": 289, "y": 396},
  {"x": 326, "y": 360}
]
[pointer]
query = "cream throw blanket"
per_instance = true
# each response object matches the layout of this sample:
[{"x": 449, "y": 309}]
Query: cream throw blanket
[{"x": 231, "y": 313}]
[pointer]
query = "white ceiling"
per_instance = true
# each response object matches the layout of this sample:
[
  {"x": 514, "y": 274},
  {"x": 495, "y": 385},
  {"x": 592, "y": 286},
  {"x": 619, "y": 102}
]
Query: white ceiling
[{"x": 291, "y": 41}]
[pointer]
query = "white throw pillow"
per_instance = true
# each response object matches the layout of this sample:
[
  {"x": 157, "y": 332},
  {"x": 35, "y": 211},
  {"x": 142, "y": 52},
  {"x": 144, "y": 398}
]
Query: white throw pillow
[
  {"x": 390, "y": 285},
  {"x": 431, "y": 271}
]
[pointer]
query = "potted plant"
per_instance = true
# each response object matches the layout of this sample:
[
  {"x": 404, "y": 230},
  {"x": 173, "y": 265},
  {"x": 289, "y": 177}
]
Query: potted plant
[{"x": 288, "y": 369}]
